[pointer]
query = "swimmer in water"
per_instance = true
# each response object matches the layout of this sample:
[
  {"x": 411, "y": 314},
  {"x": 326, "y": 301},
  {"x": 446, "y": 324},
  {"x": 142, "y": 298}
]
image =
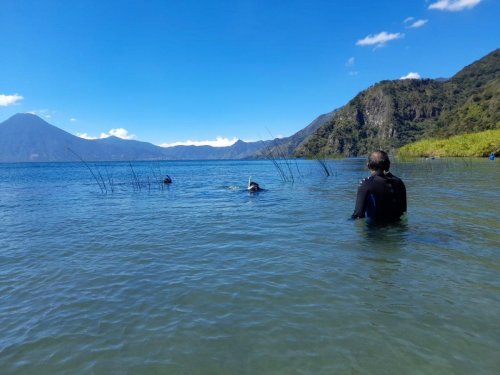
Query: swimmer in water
[{"x": 253, "y": 186}]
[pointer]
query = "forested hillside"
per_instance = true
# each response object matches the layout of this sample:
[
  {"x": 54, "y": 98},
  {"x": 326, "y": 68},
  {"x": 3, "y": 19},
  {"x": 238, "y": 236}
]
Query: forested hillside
[{"x": 391, "y": 114}]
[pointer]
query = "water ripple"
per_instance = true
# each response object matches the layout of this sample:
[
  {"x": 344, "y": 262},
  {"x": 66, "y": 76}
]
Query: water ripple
[{"x": 212, "y": 279}]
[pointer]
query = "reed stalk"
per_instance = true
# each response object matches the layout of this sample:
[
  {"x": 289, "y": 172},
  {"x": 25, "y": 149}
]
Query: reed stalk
[
  {"x": 136, "y": 181},
  {"x": 110, "y": 180},
  {"x": 324, "y": 166},
  {"x": 102, "y": 187}
]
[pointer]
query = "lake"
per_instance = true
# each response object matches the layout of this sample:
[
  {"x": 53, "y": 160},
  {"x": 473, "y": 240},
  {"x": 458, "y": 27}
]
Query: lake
[{"x": 202, "y": 277}]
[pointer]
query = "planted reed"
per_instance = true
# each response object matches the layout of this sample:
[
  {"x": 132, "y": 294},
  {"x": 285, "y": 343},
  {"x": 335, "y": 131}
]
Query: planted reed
[
  {"x": 325, "y": 167},
  {"x": 135, "y": 180},
  {"x": 155, "y": 179},
  {"x": 280, "y": 160},
  {"x": 100, "y": 183},
  {"x": 110, "y": 180}
]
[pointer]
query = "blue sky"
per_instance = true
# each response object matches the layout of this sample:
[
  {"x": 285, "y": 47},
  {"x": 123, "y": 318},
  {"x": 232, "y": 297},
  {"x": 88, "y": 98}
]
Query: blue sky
[{"x": 170, "y": 71}]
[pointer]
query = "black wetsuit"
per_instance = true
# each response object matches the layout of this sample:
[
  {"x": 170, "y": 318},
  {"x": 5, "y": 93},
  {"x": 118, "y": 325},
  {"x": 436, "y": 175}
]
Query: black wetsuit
[{"x": 381, "y": 198}]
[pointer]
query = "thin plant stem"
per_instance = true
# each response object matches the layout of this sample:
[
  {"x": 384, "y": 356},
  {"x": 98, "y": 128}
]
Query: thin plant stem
[{"x": 103, "y": 190}]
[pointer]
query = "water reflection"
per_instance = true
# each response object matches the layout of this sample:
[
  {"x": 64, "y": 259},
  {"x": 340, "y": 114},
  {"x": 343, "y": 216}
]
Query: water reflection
[
  {"x": 383, "y": 261},
  {"x": 386, "y": 236},
  {"x": 382, "y": 249}
]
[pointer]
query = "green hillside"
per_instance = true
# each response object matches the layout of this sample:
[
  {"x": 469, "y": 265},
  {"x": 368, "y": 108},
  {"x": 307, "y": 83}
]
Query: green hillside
[
  {"x": 392, "y": 114},
  {"x": 464, "y": 145}
]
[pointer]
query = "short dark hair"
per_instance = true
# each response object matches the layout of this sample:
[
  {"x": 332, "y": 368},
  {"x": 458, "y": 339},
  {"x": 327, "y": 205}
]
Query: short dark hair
[{"x": 379, "y": 161}]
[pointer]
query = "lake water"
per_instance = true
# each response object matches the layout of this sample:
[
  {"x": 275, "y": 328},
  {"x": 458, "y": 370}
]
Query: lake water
[{"x": 201, "y": 277}]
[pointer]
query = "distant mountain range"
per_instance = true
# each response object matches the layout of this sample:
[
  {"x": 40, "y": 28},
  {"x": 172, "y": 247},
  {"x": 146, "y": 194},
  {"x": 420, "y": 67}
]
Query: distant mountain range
[
  {"x": 25, "y": 137},
  {"x": 386, "y": 116}
]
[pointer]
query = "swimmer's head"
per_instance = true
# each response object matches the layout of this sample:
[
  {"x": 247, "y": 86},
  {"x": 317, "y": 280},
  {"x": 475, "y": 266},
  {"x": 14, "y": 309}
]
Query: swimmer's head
[
  {"x": 253, "y": 186},
  {"x": 378, "y": 161}
]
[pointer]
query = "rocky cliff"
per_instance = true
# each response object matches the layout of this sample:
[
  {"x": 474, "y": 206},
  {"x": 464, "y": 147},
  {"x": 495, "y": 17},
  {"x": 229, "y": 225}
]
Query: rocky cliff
[{"x": 391, "y": 114}]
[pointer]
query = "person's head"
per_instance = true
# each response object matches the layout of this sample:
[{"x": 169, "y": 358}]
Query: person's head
[
  {"x": 253, "y": 186},
  {"x": 378, "y": 161}
]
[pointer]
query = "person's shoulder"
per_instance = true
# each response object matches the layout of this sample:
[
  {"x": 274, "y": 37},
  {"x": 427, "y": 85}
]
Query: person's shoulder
[
  {"x": 394, "y": 178},
  {"x": 390, "y": 175},
  {"x": 365, "y": 181}
]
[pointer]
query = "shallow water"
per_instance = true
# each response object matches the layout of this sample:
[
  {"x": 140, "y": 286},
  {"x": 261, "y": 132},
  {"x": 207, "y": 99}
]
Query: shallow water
[{"x": 203, "y": 277}]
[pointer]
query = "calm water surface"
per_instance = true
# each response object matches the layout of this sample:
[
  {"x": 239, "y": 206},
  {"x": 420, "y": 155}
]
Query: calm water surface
[{"x": 201, "y": 277}]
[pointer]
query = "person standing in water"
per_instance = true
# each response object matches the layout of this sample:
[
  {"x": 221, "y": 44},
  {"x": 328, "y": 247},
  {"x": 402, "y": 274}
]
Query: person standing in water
[{"x": 382, "y": 196}]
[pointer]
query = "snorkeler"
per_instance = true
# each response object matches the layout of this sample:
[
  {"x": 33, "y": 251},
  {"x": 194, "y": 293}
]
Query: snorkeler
[{"x": 253, "y": 186}]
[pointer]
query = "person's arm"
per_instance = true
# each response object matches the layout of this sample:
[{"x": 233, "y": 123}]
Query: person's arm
[
  {"x": 359, "y": 210},
  {"x": 403, "y": 197}
]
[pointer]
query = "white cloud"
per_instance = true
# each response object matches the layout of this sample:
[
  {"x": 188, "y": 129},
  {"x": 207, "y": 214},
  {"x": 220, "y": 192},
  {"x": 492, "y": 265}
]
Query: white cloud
[
  {"x": 118, "y": 132},
  {"x": 85, "y": 136},
  {"x": 379, "y": 40},
  {"x": 6, "y": 100},
  {"x": 350, "y": 61},
  {"x": 72, "y": 119},
  {"x": 408, "y": 19},
  {"x": 454, "y": 5},
  {"x": 219, "y": 142},
  {"x": 417, "y": 24},
  {"x": 412, "y": 75}
]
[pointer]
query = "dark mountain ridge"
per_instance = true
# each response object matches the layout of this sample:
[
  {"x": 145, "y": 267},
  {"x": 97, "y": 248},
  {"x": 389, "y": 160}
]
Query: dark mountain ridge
[{"x": 26, "y": 137}]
